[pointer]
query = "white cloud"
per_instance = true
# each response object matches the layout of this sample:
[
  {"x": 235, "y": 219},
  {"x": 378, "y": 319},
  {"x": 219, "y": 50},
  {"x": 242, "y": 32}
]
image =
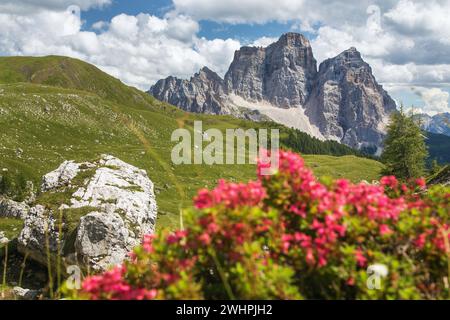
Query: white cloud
[
  {"x": 137, "y": 49},
  {"x": 218, "y": 52},
  {"x": 435, "y": 99},
  {"x": 31, "y": 6},
  {"x": 100, "y": 25},
  {"x": 261, "y": 11},
  {"x": 429, "y": 18},
  {"x": 263, "y": 42},
  {"x": 406, "y": 42},
  {"x": 239, "y": 11}
]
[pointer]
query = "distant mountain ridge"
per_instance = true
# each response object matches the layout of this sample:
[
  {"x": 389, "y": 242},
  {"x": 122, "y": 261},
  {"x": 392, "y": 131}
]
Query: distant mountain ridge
[
  {"x": 438, "y": 124},
  {"x": 341, "y": 100}
]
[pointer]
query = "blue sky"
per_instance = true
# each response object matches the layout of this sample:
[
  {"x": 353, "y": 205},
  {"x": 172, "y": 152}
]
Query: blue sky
[
  {"x": 406, "y": 42},
  {"x": 208, "y": 29},
  {"x": 133, "y": 7}
]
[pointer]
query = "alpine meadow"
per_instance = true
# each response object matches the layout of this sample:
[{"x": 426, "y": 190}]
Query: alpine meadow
[{"x": 253, "y": 151}]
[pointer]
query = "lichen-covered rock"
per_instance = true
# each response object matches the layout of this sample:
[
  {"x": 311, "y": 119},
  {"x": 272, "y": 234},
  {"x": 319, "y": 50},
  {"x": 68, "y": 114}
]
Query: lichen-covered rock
[
  {"x": 121, "y": 188},
  {"x": 103, "y": 240},
  {"x": 40, "y": 232},
  {"x": 13, "y": 209},
  {"x": 110, "y": 207},
  {"x": 61, "y": 176}
]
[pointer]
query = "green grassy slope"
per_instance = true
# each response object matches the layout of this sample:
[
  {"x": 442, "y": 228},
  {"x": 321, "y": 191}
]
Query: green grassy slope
[{"x": 53, "y": 109}]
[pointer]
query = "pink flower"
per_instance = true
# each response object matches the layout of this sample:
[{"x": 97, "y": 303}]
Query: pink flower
[
  {"x": 421, "y": 183},
  {"x": 385, "y": 230},
  {"x": 389, "y": 181},
  {"x": 205, "y": 239},
  {"x": 360, "y": 259},
  {"x": 231, "y": 195}
]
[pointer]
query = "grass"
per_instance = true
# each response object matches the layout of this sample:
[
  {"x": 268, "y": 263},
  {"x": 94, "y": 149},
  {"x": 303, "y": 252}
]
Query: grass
[
  {"x": 11, "y": 227},
  {"x": 349, "y": 167},
  {"x": 57, "y": 109}
]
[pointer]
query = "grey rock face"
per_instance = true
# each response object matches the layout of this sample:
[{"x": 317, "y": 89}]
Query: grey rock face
[
  {"x": 61, "y": 176},
  {"x": 282, "y": 73},
  {"x": 103, "y": 240},
  {"x": 111, "y": 208},
  {"x": 347, "y": 103},
  {"x": 40, "y": 232},
  {"x": 13, "y": 209},
  {"x": 342, "y": 101},
  {"x": 203, "y": 93}
]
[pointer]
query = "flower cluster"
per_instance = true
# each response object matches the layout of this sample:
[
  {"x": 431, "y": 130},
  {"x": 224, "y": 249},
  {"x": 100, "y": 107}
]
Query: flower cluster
[
  {"x": 112, "y": 286},
  {"x": 230, "y": 195},
  {"x": 291, "y": 235}
]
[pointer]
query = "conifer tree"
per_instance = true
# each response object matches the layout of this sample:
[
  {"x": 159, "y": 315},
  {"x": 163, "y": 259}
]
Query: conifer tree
[{"x": 405, "y": 150}]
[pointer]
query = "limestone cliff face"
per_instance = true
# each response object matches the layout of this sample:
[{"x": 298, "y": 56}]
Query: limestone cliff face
[
  {"x": 340, "y": 101},
  {"x": 347, "y": 104},
  {"x": 281, "y": 74},
  {"x": 201, "y": 94}
]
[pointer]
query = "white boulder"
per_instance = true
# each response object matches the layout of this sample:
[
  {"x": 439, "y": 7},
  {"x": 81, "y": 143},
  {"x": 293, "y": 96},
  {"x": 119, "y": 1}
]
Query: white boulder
[{"x": 111, "y": 207}]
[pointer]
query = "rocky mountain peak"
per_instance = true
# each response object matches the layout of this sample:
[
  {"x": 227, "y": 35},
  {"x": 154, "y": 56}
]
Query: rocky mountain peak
[
  {"x": 348, "y": 59},
  {"x": 293, "y": 39},
  {"x": 280, "y": 74},
  {"x": 342, "y": 101},
  {"x": 206, "y": 74},
  {"x": 348, "y": 104}
]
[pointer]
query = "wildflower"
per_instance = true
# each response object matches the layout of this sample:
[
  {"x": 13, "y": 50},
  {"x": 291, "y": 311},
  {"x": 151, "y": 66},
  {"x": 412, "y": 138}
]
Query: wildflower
[
  {"x": 360, "y": 259},
  {"x": 385, "y": 230}
]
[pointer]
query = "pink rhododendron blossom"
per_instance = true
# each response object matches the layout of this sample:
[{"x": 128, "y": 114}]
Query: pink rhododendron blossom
[{"x": 291, "y": 221}]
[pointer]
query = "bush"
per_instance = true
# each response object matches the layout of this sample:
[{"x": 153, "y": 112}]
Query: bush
[{"x": 290, "y": 236}]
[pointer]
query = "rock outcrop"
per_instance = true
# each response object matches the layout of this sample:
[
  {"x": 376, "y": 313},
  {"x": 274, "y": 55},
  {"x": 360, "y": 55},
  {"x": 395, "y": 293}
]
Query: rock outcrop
[
  {"x": 347, "y": 103},
  {"x": 13, "y": 209},
  {"x": 60, "y": 177},
  {"x": 341, "y": 101},
  {"x": 110, "y": 206}
]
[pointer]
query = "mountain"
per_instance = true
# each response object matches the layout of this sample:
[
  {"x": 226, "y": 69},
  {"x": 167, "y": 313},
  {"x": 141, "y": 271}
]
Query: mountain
[
  {"x": 340, "y": 101},
  {"x": 54, "y": 109},
  {"x": 439, "y": 123},
  {"x": 201, "y": 94},
  {"x": 347, "y": 103},
  {"x": 281, "y": 74}
]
